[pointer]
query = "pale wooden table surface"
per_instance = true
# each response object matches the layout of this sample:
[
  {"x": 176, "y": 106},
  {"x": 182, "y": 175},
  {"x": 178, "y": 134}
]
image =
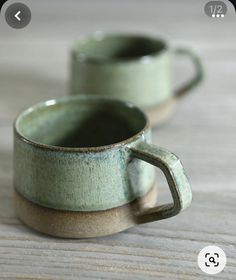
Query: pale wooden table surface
[{"x": 34, "y": 67}]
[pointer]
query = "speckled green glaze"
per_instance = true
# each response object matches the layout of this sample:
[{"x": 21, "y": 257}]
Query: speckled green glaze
[
  {"x": 83, "y": 179},
  {"x": 86, "y": 153},
  {"x": 129, "y": 67}
]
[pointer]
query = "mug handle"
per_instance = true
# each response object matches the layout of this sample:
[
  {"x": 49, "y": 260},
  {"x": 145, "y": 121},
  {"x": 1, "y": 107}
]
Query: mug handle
[
  {"x": 176, "y": 178},
  {"x": 198, "y": 69}
]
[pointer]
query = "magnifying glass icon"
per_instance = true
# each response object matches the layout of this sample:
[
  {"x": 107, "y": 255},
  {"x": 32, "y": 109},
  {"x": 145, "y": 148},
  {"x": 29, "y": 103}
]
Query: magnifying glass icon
[{"x": 212, "y": 260}]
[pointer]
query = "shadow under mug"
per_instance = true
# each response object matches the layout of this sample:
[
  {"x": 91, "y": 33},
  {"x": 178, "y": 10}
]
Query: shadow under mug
[
  {"x": 84, "y": 167},
  {"x": 132, "y": 68}
]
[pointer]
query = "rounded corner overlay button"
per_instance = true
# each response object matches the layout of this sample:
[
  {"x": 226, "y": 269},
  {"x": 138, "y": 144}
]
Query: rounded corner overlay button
[
  {"x": 18, "y": 15},
  {"x": 212, "y": 259}
]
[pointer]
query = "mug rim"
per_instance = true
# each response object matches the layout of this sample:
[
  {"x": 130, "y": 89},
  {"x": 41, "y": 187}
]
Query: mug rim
[
  {"x": 100, "y": 36},
  {"x": 60, "y": 100}
]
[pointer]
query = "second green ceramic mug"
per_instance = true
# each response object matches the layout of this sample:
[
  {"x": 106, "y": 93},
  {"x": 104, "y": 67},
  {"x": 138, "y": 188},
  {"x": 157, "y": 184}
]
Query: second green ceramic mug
[
  {"x": 129, "y": 67},
  {"x": 83, "y": 166}
]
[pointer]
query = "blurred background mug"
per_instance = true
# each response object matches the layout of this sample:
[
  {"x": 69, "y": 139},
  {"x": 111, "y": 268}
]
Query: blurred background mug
[
  {"x": 129, "y": 67},
  {"x": 84, "y": 166}
]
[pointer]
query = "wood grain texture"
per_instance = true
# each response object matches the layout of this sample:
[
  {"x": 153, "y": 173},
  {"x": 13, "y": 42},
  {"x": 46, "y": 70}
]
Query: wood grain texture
[{"x": 202, "y": 132}]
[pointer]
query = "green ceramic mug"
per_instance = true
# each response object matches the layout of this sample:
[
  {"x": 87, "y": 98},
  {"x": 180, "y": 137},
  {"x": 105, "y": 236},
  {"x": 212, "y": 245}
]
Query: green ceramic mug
[
  {"x": 129, "y": 67},
  {"x": 84, "y": 164}
]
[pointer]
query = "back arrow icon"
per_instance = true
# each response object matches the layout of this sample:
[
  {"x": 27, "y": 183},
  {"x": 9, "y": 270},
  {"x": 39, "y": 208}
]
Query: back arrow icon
[{"x": 17, "y": 16}]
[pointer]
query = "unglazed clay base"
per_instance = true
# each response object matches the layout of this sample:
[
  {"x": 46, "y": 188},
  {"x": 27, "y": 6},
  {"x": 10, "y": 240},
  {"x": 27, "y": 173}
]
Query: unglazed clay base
[
  {"x": 160, "y": 113},
  {"x": 73, "y": 224}
]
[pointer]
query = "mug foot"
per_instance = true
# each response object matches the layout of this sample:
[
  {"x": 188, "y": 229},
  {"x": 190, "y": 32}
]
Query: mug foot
[
  {"x": 160, "y": 113},
  {"x": 78, "y": 224}
]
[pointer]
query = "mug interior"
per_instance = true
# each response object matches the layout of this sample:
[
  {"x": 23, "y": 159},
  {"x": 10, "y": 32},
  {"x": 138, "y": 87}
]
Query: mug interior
[
  {"x": 80, "y": 122},
  {"x": 118, "y": 47}
]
